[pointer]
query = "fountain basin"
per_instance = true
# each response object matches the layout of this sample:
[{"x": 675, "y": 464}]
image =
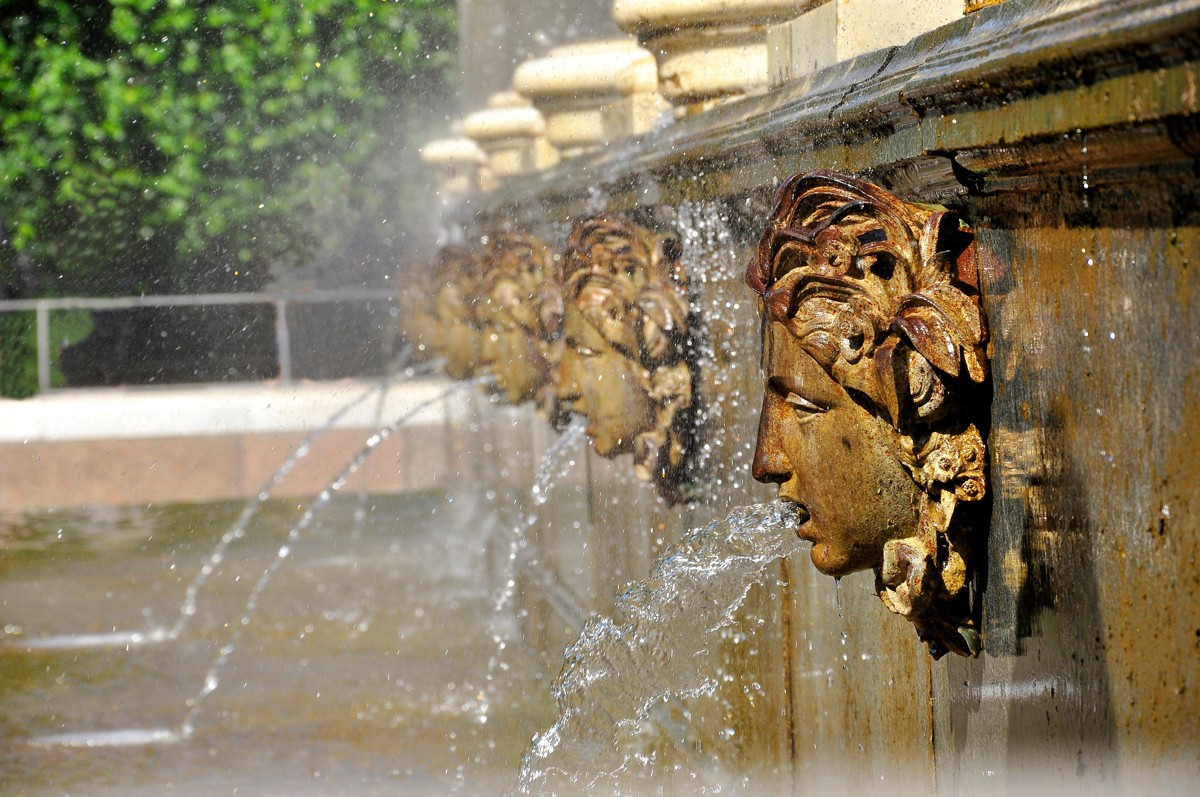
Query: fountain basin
[{"x": 332, "y": 690}]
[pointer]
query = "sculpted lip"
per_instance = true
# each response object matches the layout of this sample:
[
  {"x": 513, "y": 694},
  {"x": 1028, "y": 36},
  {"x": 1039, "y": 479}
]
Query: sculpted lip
[{"x": 802, "y": 518}]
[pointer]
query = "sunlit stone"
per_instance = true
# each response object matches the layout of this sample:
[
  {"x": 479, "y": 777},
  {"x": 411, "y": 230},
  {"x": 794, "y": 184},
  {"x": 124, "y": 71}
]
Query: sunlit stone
[
  {"x": 513, "y": 134},
  {"x": 593, "y": 92},
  {"x": 458, "y": 164}
]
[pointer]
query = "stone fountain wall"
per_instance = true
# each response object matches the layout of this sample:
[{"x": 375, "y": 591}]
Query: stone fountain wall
[{"x": 1066, "y": 134}]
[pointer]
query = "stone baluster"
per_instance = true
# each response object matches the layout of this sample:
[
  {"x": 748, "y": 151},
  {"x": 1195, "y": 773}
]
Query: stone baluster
[
  {"x": 513, "y": 134},
  {"x": 459, "y": 165},
  {"x": 592, "y": 93},
  {"x": 707, "y": 50}
]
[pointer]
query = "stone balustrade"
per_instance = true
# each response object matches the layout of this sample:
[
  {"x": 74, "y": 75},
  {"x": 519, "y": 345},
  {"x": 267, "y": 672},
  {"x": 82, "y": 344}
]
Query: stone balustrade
[
  {"x": 707, "y": 50},
  {"x": 458, "y": 163},
  {"x": 591, "y": 93},
  {"x": 685, "y": 55},
  {"x": 513, "y": 134},
  {"x": 832, "y": 31}
]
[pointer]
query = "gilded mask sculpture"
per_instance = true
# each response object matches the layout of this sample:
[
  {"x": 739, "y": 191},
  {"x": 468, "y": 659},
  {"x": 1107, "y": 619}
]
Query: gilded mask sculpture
[
  {"x": 876, "y": 372},
  {"x": 456, "y": 280},
  {"x": 520, "y": 311},
  {"x": 625, "y": 328}
]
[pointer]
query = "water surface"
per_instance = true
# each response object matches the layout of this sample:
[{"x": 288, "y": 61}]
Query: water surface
[{"x": 358, "y": 674}]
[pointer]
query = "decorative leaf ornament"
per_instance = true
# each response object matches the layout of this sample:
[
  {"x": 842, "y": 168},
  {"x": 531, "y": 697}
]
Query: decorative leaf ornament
[{"x": 861, "y": 276}]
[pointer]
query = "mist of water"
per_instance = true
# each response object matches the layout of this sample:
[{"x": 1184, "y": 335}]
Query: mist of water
[{"x": 705, "y": 231}]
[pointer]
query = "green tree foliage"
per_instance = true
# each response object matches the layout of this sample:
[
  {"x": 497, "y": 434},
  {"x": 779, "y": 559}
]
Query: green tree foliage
[{"x": 179, "y": 145}]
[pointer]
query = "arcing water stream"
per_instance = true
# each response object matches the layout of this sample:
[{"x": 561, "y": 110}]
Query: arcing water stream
[
  {"x": 236, "y": 531},
  {"x": 558, "y": 459},
  {"x": 212, "y": 678},
  {"x": 141, "y": 736},
  {"x": 623, "y": 677}
]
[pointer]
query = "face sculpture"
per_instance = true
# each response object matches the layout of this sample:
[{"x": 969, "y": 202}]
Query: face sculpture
[
  {"x": 510, "y": 354},
  {"x": 521, "y": 317},
  {"x": 599, "y": 380},
  {"x": 456, "y": 279},
  {"x": 833, "y": 457},
  {"x": 873, "y": 353},
  {"x": 625, "y": 328},
  {"x": 418, "y": 320}
]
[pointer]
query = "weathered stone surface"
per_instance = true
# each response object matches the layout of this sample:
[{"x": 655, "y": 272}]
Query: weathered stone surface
[{"x": 1064, "y": 133}]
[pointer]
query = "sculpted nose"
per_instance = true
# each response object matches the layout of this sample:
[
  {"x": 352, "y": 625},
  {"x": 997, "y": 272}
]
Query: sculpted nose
[{"x": 770, "y": 462}]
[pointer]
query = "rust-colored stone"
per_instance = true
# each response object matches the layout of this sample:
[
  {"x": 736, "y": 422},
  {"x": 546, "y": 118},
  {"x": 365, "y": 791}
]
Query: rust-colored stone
[{"x": 975, "y": 5}]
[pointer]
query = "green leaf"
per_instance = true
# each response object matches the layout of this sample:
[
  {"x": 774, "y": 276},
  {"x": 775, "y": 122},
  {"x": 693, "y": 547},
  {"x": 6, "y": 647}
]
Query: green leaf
[
  {"x": 125, "y": 25},
  {"x": 182, "y": 117}
]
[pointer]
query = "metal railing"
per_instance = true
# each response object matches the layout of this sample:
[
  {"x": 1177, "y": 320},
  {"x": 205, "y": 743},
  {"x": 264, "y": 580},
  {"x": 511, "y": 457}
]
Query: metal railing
[{"x": 283, "y": 343}]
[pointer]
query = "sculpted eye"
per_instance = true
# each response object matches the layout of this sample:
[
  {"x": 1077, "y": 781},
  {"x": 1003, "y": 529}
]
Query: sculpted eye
[{"x": 802, "y": 405}]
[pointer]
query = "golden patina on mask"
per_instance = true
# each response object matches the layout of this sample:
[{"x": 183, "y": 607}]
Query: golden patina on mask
[
  {"x": 520, "y": 313},
  {"x": 876, "y": 372},
  {"x": 456, "y": 279},
  {"x": 624, "y": 364}
]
